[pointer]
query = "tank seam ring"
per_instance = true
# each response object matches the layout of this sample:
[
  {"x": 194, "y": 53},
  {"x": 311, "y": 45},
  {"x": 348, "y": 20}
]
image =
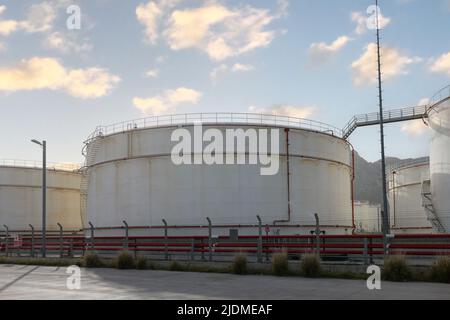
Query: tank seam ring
[{"x": 168, "y": 155}]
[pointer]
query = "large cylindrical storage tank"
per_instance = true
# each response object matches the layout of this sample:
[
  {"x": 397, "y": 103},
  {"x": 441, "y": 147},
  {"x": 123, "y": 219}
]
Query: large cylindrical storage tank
[
  {"x": 439, "y": 121},
  {"x": 406, "y": 206},
  {"x": 131, "y": 177},
  {"x": 21, "y": 196}
]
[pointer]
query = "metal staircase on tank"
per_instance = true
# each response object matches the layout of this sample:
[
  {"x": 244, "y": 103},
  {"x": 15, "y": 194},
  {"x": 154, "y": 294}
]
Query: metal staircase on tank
[
  {"x": 427, "y": 203},
  {"x": 389, "y": 116},
  {"x": 90, "y": 152}
]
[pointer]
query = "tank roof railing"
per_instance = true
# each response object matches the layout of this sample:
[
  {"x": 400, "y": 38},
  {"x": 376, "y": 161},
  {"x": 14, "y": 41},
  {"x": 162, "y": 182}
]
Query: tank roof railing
[
  {"x": 38, "y": 164},
  {"x": 440, "y": 96},
  {"x": 403, "y": 164},
  {"x": 215, "y": 118}
]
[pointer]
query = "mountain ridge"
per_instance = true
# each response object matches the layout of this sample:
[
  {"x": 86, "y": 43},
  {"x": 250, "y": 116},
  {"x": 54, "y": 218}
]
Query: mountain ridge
[{"x": 368, "y": 182}]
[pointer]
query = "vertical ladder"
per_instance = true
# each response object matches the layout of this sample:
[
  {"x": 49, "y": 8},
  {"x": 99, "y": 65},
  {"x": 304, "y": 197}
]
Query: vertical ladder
[
  {"x": 90, "y": 153},
  {"x": 427, "y": 203}
]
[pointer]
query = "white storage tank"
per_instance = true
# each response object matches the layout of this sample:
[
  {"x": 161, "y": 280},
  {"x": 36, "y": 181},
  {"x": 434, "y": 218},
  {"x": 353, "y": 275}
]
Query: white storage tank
[
  {"x": 131, "y": 177},
  {"x": 406, "y": 197},
  {"x": 21, "y": 195},
  {"x": 439, "y": 121}
]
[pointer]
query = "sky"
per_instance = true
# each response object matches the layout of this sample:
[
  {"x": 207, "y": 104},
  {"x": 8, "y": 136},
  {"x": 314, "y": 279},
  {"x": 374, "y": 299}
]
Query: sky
[{"x": 68, "y": 66}]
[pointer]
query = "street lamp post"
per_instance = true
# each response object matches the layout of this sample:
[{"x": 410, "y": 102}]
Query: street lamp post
[{"x": 43, "y": 144}]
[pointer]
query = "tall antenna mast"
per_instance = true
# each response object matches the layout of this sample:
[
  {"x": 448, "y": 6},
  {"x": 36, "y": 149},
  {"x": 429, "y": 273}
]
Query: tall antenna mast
[{"x": 385, "y": 214}]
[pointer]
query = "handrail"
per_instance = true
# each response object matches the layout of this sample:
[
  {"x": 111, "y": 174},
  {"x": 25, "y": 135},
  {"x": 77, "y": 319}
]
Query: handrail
[
  {"x": 404, "y": 164},
  {"x": 389, "y": 116},
  {"x": 438, "y": 97},
  {"x": 214, "y": 118},
  {"x": 38, "y": 164}
]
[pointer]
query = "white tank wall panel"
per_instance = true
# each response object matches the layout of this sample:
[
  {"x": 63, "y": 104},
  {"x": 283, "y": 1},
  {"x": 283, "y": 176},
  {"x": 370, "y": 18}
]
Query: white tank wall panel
[
  {"x": 406, "y": 210},
  {"x": 134, "y": 179},
  {"x": 137, "y": 143},
  {"x": 21, "y": 198},
  {"x": 33, "y": 177},
  {"x": 367, "y": 217},
  {"x": 439, "y": 119}
]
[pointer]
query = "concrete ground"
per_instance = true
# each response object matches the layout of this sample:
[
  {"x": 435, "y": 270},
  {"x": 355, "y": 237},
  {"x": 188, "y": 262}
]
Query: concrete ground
[{"x": 33, "y": 282}]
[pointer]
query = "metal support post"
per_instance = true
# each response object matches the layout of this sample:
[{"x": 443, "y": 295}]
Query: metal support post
[
  {"x": 61, "y": 239},
  {"x": 260, "y": 241},
  {"x": 166, "y": 247},
  {"x": 125, "y": 245},
  {"x": 209, "y": 238}
]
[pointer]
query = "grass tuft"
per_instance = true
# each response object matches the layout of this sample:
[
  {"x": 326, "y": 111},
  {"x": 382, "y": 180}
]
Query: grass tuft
[
  {"x": 440, "y": 270},
  {"x": 125, "y": 260},
  {"x": 280, "y": 265},
  {"x": 396, "y": 269},
  {"x": 92, "y": 260},
  {"x": 310, "y": 266},
  {"x": 239, "y": 265},
  {"x": 142, "y": 263},
  {"x": 175, "y": 266}
]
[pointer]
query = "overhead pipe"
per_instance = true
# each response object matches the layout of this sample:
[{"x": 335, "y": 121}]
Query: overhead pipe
[
  {"x": 393, "y": 199},
  {"x": 288, "y": 178},
  {"x": 352, "y": 188}
]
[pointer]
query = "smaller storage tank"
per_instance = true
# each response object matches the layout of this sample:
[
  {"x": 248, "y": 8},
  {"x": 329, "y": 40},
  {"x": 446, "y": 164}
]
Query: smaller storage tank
[
  {"x": 439, "y": 122},
  {"x": 21, "y": 195},
  {"x": 367, "y": 217},
  {"x": 407, "y": 181}
]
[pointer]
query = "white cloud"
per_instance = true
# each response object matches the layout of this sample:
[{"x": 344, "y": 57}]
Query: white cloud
[
  {"x": 219, "y": 72},
  {"x": 219, "y": 31},
  {"x": 7, "y": 26},
  {"x": 361, "y": 22},
  {"x": 151, "y": 106},
  {"x": 368, "y": 22},
  {"x": 66, "y": 43},
  {"x": 223, "y": 69},
  {"x": 149, "y": 15},
  {"x": 416, "y": 127},
  {"x": 237, "y": 67},
  {"x": 393, "y": 64},
  {"x": 90, "y": 83},
  {"x": 39, "y": 18},
  {"x": 182, "y": 95},
  {"x": 40, "y": 73},
  {"x": 285, "y": 110},
  {"x": 2, "y": 46},
  {"x": 321, "y": 50},
  {"x": 442, "y": 64},
  {"x": 33, "y": 74},
  {"x": 152, "y": 73},
  {"x": 424, "y": 102},
  {"x": 161, "y": 59},
  {"x": 167, "y": 102}
]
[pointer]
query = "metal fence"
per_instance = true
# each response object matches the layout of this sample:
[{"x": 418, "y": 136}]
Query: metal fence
[
  {"x": 258, "y": 248},
  {"x": 38, "y": 164}
]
